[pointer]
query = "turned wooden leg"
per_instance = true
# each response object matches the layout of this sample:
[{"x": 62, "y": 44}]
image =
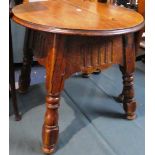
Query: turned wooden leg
[
  {"x": 24, "y": 79},
  {"x": 50, "y": 131},
  {"x": 55, "y": 74},
  {"x": 50, "y": 128},
  {"x": 129, "y": 103}
]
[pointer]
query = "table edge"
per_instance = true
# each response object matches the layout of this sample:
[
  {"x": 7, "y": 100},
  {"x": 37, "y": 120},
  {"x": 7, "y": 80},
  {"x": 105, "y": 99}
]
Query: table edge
[{"x": 77, "y": 31}]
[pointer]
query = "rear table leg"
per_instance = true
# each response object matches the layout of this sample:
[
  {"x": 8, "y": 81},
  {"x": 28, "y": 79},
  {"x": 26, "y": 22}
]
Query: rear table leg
[{"x": 128, "y": 67}]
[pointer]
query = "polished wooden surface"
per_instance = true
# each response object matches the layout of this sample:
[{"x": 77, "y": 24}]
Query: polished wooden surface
[
  {"x": 62, "y": 55},
  {"x": 77, "y": 17}
]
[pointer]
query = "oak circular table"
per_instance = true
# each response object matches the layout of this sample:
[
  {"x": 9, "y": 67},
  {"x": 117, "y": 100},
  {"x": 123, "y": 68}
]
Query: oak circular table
[{"x": 77, "y": 35}]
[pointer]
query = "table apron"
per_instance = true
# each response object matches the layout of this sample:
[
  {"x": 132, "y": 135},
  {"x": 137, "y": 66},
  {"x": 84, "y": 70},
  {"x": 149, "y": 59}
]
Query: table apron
[{"x": 80, "y": 53}]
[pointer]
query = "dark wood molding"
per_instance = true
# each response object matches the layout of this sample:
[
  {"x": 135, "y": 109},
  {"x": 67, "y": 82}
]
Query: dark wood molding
[{"x": 76, "y": 31}]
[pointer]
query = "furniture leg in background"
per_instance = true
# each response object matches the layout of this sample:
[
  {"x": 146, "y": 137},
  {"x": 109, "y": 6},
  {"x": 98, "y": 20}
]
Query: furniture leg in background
[
  {"x": 25, "y": 76},
  {"x": 12, "y": 77}
]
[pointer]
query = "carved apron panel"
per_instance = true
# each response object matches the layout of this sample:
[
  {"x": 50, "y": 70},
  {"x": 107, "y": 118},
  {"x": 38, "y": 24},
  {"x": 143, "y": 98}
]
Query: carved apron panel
[{"x": 87, "y": 54}]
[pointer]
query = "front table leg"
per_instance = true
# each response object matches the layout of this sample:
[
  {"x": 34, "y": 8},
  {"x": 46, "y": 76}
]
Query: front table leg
[
  {"x": 55, "y": 67},
  {"x": 50, "y": 128},
  {"x": 127, "y": 69}
]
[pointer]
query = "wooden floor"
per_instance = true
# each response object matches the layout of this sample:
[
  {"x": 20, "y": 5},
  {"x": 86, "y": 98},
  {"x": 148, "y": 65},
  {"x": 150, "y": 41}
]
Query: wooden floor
[{"x": 91, "y": 122}]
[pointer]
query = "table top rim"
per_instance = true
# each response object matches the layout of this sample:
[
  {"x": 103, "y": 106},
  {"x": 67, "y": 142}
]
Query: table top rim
[{"x": 61, "y": 30}]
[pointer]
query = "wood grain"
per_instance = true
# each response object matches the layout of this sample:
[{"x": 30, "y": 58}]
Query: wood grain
[
  {"x": 98, "y": 47},
  {"x": 77, "y": 17}
]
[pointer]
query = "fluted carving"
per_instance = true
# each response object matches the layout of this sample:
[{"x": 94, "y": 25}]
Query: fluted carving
[
  {"x": 42, "y": 43},
  {"x": 90, "y": 54}
]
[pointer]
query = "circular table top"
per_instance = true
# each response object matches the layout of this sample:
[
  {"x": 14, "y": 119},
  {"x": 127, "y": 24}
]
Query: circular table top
[{"x": 77, "y": 17}]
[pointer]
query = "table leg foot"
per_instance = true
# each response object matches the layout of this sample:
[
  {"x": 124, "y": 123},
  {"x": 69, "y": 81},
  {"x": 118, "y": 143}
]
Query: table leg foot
[
  {"x": 98, "y": 71},
  {"x": 48, "y": 150},
  {"x": 86, "y": 75},
  {"x": 130, "y": 109},
  {"x": 18, "y": 117},
  {"x": 131, "y": 116},
  {"x": 50, "y": 130}
]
